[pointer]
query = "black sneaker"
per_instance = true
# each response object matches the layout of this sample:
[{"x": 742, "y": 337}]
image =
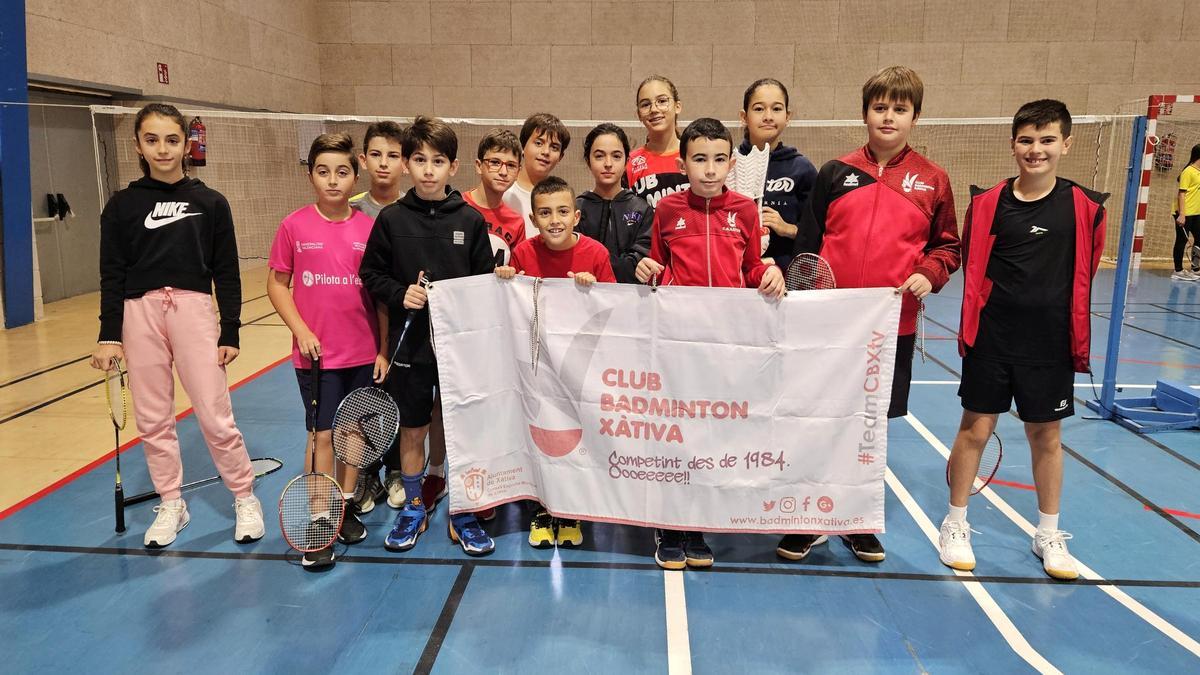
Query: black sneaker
[
  {"x": 695, "y": 551},
  {"x": 865, "y": 546},
  {"x": 318, "y": 559},
  {"x": 353, "y": 530},
  {"x": 798, "y": 546},
  {"x": 670, "y": 555}
]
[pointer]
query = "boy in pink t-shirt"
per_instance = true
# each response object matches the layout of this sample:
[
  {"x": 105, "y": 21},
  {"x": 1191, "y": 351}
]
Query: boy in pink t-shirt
[{"x": 330, "y": 314}]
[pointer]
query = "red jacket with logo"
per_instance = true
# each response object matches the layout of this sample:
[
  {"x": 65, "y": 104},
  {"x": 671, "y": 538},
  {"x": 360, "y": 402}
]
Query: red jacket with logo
[
  {"x": 977, "y": 249},
  {"x": 707, "y": 241},
  {"x": 877, "y": 225}
]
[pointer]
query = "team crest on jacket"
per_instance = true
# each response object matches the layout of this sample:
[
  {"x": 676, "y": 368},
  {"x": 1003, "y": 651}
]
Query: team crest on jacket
[
  {"x": 731, "y": 222},
  {"x": 638, "y": 163},
  {"x": 681, "y": 224},
  {"x": 851, "y": 181},
  {"x": 633, "y": 218},
  {"x": 912, "y": 182}
]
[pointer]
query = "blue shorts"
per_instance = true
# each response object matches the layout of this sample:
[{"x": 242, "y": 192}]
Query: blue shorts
[{"x": 335, "y": 384}]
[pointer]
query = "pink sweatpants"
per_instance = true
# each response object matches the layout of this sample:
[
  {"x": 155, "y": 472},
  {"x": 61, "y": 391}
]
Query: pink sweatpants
[{"x": 169, "y": 325}]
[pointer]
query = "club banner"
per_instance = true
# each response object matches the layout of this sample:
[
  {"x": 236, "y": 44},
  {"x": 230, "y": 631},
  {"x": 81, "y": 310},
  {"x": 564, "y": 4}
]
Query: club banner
[{"x": 688, "y": 408}]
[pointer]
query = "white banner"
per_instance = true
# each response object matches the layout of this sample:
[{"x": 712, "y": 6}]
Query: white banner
[{"x": 688, "y": 408}]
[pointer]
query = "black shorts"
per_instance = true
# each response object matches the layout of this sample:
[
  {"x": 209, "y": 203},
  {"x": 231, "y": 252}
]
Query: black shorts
[
  {"x": 335, "y": 384},
  {"x": 1042, "y": 393},
  {"x": 902, "y": 375},
  {"x": 414, "y": 388}
]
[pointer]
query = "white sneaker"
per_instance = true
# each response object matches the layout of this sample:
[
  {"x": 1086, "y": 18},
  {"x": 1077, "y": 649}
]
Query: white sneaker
[
  {"x": 395, "y": 489},
  {"x": 1184, "y": 275},
  {"x": 249, "y": 527},
  {"x": 954, "y": 545},
  {"x": 172, "y": 517},
  {"x": 1051, "y": 547}
]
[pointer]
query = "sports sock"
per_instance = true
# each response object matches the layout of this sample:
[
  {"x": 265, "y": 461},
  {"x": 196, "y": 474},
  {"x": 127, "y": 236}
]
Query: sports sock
[
  {"x": 436, "y": 470},
  {"x": 347, "y": 495},
  {"x": 957, "y": 513},
  {"x": 1047, "y": 522},
  {"x": 412, "y": 486}
]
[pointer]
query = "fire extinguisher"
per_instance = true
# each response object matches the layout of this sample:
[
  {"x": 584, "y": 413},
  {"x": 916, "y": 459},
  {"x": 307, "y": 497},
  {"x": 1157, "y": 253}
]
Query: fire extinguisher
[{"x": 197, "y": 136}]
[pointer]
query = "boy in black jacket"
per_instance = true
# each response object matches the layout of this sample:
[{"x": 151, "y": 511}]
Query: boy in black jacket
[{"x": 432, "y": 232}]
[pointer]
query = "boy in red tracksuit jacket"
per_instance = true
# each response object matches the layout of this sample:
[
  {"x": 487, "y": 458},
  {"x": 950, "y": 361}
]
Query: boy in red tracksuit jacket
[
  {"x": 705, "y": 236},
  {"x": 1031, "y": 246},
  {"x": 882, "y": 215}
]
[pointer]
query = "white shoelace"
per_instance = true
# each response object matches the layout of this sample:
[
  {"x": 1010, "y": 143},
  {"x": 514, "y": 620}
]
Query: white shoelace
[
  {"x": 1054, "y": 541},
  {"x": 244, "y": 509}
]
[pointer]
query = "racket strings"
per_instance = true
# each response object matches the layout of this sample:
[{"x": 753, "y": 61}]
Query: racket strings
[
  {"x": 364, "y": 426},
  {"x": 808, "y": 272},
  {"x": 989, "y": 462},
  {"x": 310, "y": 512},
  {"x": 535, "y": 325},
  {"x": 117, "y": 396}
]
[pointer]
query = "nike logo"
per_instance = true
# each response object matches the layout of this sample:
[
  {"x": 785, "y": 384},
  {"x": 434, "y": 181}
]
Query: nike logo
[{"x": 165, "y": 213}]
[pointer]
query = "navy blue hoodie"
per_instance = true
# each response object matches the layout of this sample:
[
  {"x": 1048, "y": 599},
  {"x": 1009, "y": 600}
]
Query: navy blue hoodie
[{"x": 790, "y": 178}]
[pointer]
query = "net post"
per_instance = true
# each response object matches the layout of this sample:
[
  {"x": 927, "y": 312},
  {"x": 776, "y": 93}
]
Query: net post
[{"x": 1108, "y": 392}]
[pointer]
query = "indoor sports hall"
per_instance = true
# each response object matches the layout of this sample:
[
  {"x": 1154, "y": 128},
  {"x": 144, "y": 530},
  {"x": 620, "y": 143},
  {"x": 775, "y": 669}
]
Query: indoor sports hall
[{"x": 258, "y": 80}]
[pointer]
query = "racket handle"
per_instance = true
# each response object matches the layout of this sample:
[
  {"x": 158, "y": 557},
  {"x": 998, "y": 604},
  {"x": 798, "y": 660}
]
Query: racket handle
[{"x": 119, "y": 504}]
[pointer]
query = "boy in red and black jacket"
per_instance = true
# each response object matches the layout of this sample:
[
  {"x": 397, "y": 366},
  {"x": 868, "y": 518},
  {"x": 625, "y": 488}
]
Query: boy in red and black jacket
[
  {"x": 882, "y": 215},
  {"x": 1031, "y": 246},
  {"x": 705, "y": 236}
]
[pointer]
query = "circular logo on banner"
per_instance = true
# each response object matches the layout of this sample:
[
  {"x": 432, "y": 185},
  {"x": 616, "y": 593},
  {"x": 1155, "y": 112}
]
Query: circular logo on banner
[
  {"x": 307, "y": 278},
  {"x": 825, "y": 504}
]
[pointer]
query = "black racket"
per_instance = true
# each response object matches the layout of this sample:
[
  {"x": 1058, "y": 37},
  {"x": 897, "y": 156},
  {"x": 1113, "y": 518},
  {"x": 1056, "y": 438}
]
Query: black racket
[
  {"x": 989, "y": 464},
  {"x": 311, "y": 506},
  {"x": 809, "y": 272},
  {"x": 262, "y": 466},
  {"x": 116, "y": 395}
]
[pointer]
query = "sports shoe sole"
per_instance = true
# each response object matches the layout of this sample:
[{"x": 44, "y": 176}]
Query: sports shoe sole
[
  {"x": 454, "y": 538},
  {"x": 1061, "y": 575},
  {"x": 957, "y": 564},
  {"x": 351, "y": 542},
  {"x": 407, "y": 547},
  {"x": 251, "y": 537},
  {"x": 187, "y": 518},
  {"x": 541, "y": 543},
  {"x": 698, "y": 563},
  {"x": 863, "y": 555},
  {"x": 314, "y": 565},
  {"x": 792, "y": 555},
  {"x": 674, "y": 565}
]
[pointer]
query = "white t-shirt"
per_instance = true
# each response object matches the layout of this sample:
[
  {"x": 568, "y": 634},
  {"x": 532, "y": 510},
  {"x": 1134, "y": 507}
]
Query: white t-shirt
[{"x": 520, "y": 200}]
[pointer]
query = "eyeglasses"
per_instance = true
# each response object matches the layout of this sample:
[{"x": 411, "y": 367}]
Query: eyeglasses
[
  {"x": 494, "y": 165},
  {"x": 662, "y": 103}
]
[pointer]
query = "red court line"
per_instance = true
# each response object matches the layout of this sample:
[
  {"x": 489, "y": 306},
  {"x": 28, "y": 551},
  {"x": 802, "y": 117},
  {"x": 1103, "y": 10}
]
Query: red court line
[
  {"x": 112, "y": 453},
  {"x": 1007, "y": 483},
  {"x": 1176, "y": 512}
]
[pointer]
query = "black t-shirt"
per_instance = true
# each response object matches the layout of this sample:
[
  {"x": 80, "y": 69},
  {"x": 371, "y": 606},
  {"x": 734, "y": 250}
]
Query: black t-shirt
[{"x": 1027, "y": 316}]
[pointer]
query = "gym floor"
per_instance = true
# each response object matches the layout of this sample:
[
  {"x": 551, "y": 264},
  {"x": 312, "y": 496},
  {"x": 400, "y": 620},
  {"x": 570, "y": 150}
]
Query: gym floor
[{"x": 77, "y": 595}]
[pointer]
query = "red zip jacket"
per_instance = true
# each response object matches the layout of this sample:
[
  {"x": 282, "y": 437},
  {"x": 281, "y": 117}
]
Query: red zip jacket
[
  {"x": 1090, "y": 220},
  {"x": 877, "y": 225},
  {"x": 703, "y": 242}
]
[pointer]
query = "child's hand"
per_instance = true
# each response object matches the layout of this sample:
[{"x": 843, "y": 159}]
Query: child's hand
[
  {"x": 772, "y": 219},
  {"x": 226, "y": 355},
  {"x": 102, "y": 357},
  {"x": 415, "y": 297},
  {"x": 772, "y": 285},
  {"x": 506, "y": 272},
  {"x": 646, "y": 268},
  {"x": 1180, "y": 220},
  {"x": 917, "y": 284},
  {"x": 582, "y": 278},
  {"x": 309, "y": 345},
  {"x": 380, "y": 369}
]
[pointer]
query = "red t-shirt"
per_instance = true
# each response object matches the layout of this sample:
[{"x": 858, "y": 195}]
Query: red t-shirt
[
  {"x": 587, "y": 255},
  {"x": 652, "y": 176},
  {"x": 506, "y": 228}
]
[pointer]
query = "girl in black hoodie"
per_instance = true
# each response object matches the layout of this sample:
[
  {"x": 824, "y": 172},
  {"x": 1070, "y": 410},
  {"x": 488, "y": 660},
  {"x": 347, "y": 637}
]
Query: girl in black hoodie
[
  {"x": 165, "y": 241},
  {"x": 765, "y": 114},
  {"x": 608, "y": 213}
]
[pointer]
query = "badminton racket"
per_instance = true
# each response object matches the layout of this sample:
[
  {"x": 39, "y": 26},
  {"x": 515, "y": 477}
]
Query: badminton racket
[
  {"x": 262, "y": 466},
  {"x": 989, "y": 464},
  {"x": 809, "y": 272},
  {"x": 311, "y": 506},
  {"x": 116, "y": 395}
]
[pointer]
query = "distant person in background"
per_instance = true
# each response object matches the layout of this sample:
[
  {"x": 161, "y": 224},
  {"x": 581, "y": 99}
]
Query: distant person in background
[{"x": 1187, "y": 218}]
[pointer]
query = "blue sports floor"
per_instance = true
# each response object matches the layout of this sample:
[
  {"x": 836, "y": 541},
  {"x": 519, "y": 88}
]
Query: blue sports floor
[{"x": 75, "y": 596}]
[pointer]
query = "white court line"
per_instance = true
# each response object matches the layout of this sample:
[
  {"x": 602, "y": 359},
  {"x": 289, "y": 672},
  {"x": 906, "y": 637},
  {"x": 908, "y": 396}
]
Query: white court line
[
  {"x": 986, "y": 602},
  {"x": 1141, "y": 611},
  {"x": 679, "y": 649}
]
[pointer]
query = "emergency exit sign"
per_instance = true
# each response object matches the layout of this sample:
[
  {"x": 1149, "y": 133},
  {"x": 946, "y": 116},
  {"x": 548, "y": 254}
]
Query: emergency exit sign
[{"x": 164, "y": 77}]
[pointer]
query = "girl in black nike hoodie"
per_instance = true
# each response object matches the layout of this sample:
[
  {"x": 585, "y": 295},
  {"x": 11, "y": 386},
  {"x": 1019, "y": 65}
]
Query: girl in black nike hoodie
[
  {"x": 165, "y": 240},
  {"x": 611, "y": 215},
  {"x": 765, "y": 114}
]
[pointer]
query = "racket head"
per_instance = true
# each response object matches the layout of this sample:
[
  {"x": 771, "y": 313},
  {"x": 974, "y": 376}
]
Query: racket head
[
  {"x": 989, "y": 463},
  {"x": 311, "y": 509},
  {"x": 809, "y": 272},
  {"x": 364, "y": 426},
  {"x": 265, "y": 465},
  {"x": 116, "y": 395}
]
